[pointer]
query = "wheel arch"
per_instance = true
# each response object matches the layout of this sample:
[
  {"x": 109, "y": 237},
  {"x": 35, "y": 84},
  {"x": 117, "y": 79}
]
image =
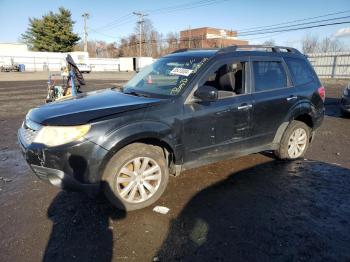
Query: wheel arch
[
  {"x": 303, "y": 112},
  {"x": 152, "y": 133}
]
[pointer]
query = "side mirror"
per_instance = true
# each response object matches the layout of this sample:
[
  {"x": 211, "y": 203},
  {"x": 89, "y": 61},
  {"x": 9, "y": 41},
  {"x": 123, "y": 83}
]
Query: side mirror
[{"x": 206, "y": 93}]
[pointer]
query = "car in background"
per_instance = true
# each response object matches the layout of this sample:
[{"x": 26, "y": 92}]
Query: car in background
[
  {"x": 345, "y": 101},
  {"x": 81, "y": 59},
  {"x": 9, "y": 65}
]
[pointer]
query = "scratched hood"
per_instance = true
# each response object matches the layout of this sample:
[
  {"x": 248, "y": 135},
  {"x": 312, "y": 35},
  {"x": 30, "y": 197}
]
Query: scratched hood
[{"x": 88, "y": 106}]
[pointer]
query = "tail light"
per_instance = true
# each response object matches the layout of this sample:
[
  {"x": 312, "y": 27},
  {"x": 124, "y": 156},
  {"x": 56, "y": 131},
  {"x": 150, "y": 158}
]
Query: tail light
[{"x": 322, "y": 92}]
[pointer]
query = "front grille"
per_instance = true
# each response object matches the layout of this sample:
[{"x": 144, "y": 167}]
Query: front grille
[
  {"x": 29, "y": 131},
  {"x": 28, "y": 135}
]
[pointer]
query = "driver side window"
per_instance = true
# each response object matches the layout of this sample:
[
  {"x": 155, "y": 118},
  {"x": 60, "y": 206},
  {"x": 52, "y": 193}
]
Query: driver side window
[{"x": 228, "y": 79}]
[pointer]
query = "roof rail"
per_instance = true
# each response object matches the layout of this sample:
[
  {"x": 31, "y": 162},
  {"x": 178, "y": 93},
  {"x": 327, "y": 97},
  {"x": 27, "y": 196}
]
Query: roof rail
[
  {"x": 182, "y": 50},
  {"x": 233, "y": 48},
  {"x": 191, "y": 49},
  {"x": 273, "y": 48}
]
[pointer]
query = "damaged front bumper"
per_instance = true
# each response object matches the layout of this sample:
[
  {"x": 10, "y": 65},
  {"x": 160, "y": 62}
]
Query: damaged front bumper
[
  {"x": 345, "y": 104},
  {"x": 74, "y": 166}
]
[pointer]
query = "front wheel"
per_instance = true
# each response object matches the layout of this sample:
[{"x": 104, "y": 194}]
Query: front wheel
[
  {"x": 136, "y": 176},
  {"x": 295, "y": 141}
]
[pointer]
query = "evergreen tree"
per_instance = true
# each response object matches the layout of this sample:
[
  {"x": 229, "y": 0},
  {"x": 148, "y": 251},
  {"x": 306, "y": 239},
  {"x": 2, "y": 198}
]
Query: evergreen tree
[{"x": 53, "y": 32}]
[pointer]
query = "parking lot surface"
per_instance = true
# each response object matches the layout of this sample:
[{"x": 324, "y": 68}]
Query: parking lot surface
[{"x": 254, "y": 208}]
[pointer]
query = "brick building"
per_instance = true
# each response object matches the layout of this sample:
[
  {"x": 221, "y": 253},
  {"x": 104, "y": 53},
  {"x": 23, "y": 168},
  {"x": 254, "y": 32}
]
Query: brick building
[{"x": 208, "y": 37}]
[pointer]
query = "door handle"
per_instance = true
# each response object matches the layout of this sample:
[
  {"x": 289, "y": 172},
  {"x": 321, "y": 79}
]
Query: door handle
[
  {"x": 246, "y": 106},
  {"x": 291, "y": 98}
]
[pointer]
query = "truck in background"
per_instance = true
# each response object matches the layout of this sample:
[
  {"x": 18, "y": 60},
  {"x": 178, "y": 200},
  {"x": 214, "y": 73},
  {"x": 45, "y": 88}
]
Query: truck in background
[{"x": 82, "y": 61}]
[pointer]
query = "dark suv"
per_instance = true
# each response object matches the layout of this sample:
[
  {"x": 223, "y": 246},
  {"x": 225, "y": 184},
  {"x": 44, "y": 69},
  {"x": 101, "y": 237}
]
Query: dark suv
[{"x": 188, "y": 109}]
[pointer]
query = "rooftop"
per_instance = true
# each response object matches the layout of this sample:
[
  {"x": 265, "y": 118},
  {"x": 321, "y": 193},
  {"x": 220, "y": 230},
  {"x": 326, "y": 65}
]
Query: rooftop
[{"x": 234, "y": 48}]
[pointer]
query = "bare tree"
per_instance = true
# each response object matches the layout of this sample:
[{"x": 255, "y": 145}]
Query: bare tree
[
  {"x": 123, "y": 47},
  {"x": 155, "y": 40},
  {"x": 146, "y": 36},
  {"x": 112, "y": 50},
  {"x": 269, "y": 42},
  {"x": 172, "y": 40},
  {"x": 133, "y": 45},
  {"x": 310, "y": 44},
  {"x": 330, "y": 45}
]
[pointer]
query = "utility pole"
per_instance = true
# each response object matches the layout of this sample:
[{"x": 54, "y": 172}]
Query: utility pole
[
  {"x": 86, "y": 17},
  {"x": 140, "y": 22}
]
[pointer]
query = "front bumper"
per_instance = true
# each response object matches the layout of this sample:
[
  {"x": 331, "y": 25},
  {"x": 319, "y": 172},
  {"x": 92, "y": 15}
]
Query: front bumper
[
  {"x": 62, "y": 180},
  {"x": 345, "y": 104},
  {"x": 75, "y": 166}
]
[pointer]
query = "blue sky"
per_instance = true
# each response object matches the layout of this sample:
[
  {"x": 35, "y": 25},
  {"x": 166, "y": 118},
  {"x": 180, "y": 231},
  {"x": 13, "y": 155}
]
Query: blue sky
[{"x": 228, "y": 14}]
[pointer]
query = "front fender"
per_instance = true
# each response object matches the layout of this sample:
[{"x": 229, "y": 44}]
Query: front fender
[
  {"x": 142, "y": 130},
  {"x": 119, "y": 138}
]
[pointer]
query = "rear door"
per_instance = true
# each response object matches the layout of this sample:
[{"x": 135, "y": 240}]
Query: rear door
[{"x": 273, "y": 96}]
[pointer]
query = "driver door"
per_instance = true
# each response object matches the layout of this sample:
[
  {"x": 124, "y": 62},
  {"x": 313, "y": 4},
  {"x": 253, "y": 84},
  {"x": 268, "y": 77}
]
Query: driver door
[{"x": 212, "y": 130}]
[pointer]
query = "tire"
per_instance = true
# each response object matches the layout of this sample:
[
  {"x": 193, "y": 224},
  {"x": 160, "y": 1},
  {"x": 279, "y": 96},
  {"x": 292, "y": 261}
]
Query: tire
[
  {"x": 297, "y": 129},
  {"x": 123, "y": 178},
  {"x": 344, "y": 113}
]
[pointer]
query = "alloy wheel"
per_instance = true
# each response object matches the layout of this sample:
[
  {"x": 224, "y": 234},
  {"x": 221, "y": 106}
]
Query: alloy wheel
[
  {"x": 139, "y": 179},
  {"x": 297, "y": 143}
]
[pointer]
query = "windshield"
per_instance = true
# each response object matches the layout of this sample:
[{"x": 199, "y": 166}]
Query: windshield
[{"x": 167, "y": 76}]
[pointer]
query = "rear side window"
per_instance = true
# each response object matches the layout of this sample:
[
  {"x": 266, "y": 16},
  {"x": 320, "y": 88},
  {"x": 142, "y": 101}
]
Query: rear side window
[
  {"x": 269, "y": 75},
  {"x": 300, "y": 71}
]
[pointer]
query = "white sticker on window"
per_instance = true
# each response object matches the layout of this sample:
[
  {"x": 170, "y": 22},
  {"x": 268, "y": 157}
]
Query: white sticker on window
[{"x": 181, "y": 71}]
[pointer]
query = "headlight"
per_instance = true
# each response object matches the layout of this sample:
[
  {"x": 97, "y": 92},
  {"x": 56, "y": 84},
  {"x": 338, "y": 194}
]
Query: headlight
[{"x": 59, "y": 135}]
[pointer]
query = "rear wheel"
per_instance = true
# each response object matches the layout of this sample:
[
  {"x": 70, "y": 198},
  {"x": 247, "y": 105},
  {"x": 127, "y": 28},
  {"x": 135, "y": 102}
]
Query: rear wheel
[
  {"x": 136, "y": 176},
  {"x": 294, "y": 142}
]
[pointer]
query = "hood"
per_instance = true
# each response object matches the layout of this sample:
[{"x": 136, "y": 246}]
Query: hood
[{"x": 88, "y": 106}]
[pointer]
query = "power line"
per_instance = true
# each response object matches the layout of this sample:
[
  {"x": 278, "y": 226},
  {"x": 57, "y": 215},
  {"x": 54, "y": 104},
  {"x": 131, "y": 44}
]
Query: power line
[
  {"x": 271, "y": 29},
  {"x": 266, "y": 36},
  {"x": 281, "y": 27},
  {"x": 116, "y": 21},
  {"x": 107, "y": 35},
  {"x": 162, "y": 9},
  {"x": 162, "y": 40},
  {"x": 126, "y": 19},
  {"x": 182, "y": 7},
  {"x": 300, "y": 28},
  {"x": 295, "y": 21},
  {"x": 158, "y": 41}
]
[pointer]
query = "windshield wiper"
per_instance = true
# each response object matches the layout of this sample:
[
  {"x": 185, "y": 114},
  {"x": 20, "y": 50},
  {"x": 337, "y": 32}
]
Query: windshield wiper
[{"x": 135, "y": 94}]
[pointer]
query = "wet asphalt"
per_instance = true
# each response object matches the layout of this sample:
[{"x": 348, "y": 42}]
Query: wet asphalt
[{"x": 254, "y": 208}]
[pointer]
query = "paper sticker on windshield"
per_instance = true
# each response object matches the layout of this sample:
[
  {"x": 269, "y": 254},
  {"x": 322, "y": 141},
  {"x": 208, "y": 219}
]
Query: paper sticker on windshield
[{"x": 181, "y": 71}]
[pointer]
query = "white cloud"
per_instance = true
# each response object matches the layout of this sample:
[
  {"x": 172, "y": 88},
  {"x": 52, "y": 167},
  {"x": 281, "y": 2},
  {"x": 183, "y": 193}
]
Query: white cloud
[{"x": 343, "y": 32}]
